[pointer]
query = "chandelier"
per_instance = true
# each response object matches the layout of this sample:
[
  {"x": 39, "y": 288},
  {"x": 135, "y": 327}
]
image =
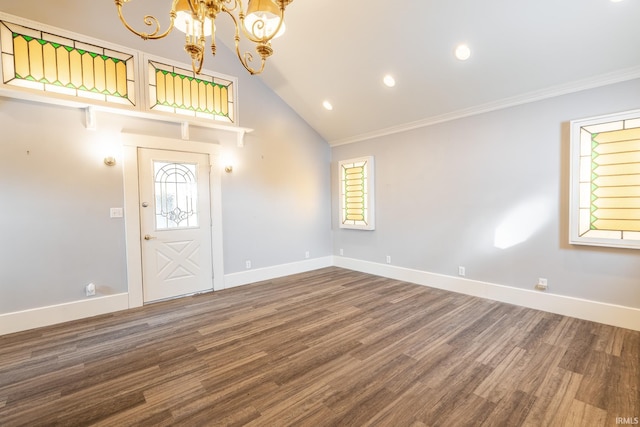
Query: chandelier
[{"x": 262, "y": 22}]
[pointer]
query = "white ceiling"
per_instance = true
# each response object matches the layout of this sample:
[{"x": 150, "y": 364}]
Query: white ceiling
[{"x": 339, "y": 50}]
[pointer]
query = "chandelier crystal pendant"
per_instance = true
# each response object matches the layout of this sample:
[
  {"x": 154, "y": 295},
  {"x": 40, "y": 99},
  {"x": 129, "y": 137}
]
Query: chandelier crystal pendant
[{"x": 262, "y": 21}]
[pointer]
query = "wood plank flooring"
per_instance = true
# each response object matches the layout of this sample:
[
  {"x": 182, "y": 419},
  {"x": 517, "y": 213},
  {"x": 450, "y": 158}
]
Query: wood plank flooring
[{"x": 330, "y": 347}]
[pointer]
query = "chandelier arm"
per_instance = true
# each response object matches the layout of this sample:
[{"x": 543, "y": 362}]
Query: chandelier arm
[
  {"x": 194, "y": 5},
  {"x": 247, "y": 57},
  {"x": 196, "y": 64},
  {"x": 150, "y": 21},
  {"x": 233, "y": 5}
]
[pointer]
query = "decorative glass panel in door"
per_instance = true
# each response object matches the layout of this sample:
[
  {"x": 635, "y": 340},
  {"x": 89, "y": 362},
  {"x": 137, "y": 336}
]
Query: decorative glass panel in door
[{"x": 176, "y": 195}]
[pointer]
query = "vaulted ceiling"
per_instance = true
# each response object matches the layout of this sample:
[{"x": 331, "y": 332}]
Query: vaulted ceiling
[{"x": 340, "y": 50}]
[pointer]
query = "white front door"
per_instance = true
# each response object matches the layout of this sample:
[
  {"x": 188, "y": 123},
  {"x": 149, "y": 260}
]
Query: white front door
[{"x": 175, "y": 223}]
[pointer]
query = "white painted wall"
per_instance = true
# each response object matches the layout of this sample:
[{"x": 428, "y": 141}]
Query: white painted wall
[{"x": 445, "y": 193}]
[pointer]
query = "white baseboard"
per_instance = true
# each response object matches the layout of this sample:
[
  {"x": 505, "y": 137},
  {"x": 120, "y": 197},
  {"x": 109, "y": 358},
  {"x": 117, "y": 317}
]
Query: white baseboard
[
  {"x": 609, "y": 314},
  {"x": 258, "y": 275},
  {"x": 51, "y": 315}
]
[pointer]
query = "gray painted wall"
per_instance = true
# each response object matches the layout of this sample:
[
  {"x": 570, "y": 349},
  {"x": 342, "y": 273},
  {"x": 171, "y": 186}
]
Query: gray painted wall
[
  {"x": 54, "y": 218},
  {"x": 277, "y": 202},
  {"x": 56, "y": 232},
  {"x": 56, "y": 193},
  {"x": 442, "y": 192}
]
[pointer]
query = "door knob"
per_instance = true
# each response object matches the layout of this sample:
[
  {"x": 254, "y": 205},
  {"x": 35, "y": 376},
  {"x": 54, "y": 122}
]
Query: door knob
[
  {"x": 145, "y": 204},
  {"x": 148, "y": 237}
]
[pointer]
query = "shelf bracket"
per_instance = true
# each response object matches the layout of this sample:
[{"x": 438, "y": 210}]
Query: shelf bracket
[
  {"x": 185, "y": 131},
  {"x": 240, "y": 135},
  {"x": 90, "y": 118}
]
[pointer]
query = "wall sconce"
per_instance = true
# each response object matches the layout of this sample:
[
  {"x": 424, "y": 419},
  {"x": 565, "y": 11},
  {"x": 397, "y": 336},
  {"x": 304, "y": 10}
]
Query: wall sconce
[
  {"x": 227, "y": 161},
  {"x": 110, "y": 161}
]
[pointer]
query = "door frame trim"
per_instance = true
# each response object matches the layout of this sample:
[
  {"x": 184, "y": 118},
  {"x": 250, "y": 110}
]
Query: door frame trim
[{"x": 130, "y": 144}]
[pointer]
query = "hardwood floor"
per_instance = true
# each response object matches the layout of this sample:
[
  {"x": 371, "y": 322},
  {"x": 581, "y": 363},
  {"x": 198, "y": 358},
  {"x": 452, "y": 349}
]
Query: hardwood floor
[{"x": 326, "y": 348}]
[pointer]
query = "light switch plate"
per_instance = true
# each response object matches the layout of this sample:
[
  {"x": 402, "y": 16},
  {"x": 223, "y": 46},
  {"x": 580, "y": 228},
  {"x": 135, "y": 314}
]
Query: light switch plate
[{"x": 116, "y": 212}]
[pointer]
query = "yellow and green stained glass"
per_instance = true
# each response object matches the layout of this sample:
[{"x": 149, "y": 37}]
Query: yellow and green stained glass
[
  {"x": 47, "y": 62},
  {"x": 356, "y": 193},
  {"x": 609, "y": 193},
  {"x": 180, "y": 91}
]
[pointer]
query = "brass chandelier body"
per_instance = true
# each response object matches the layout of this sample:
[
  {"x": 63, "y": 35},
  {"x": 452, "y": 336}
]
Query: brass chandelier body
[{"x": 262, "y": 21}]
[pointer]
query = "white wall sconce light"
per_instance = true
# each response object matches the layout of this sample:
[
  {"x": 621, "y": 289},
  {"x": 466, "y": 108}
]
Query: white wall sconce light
[{"x": 110, "y": 161}]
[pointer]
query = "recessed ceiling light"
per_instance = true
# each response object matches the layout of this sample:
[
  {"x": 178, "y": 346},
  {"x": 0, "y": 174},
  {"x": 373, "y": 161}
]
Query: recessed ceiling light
[
  {"x": 327, "y": 105},
  {"x": 463, "y": 52},
  {"x": 616, "y": 1},
  {"x": 389, "y": 81}
]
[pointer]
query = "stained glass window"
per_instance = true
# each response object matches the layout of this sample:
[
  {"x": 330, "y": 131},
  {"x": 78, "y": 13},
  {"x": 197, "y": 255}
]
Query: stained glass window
[
  {"x": 176, "y": 90},
  {"x": 606, "y": 181},
  {"x": 176, "y": 195},
  {"x": 356, "y": 193},
  {"x": 47, "y": 62}
]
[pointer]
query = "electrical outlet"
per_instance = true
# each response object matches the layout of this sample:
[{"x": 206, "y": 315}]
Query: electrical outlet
[
  {"x": 542, "y": 284},
  {"x": 306, "y": 255},
  {"x": 462, "y": 271},
  {"x": 341, "y": 252},
  {"x": 388, "y": 259},
  {"x": 247, "y": 264},
  {"x": 90, "y": 290}
]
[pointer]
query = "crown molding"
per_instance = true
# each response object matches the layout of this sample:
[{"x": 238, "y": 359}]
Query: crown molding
[{"x": 539, "y": 95}]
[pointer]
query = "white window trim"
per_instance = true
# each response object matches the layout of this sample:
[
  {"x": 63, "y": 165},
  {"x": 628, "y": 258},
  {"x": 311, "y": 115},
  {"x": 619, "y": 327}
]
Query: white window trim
[
  {"x": 369, "y": 223},
  {"x": 624, "y": 120}
]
